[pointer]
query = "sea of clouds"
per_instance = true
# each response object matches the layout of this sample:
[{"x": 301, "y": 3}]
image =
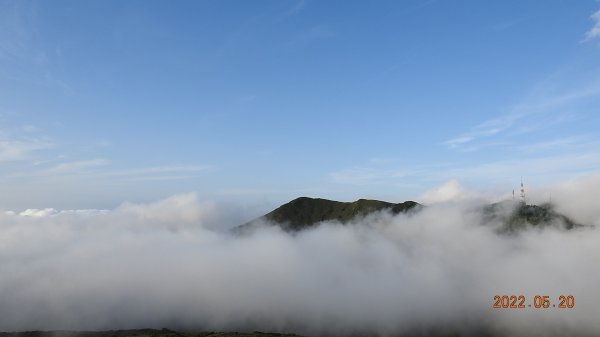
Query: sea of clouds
[{"x": 167, "y": 264}]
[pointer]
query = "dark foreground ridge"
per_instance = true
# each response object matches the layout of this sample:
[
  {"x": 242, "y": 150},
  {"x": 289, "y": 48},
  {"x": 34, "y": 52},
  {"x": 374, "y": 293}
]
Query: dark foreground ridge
[
  {"x": 141, "y": 333},
  {"x": 303, "y": 212}
]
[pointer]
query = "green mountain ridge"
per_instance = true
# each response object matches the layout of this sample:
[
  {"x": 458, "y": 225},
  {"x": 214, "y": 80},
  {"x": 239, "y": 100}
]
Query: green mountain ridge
[
  {"x": 523, "y": 215},
  {"x": 304, "y": 212}
]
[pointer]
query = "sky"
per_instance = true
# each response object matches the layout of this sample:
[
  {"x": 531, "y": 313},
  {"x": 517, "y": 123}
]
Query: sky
[
  {"x": 259, "y": 102},
  {"x": 134, "y": 134}
]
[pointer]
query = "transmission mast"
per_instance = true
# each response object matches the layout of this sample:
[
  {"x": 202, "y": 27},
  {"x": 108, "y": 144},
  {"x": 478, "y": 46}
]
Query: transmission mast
[{"x": 522, "y": 194}]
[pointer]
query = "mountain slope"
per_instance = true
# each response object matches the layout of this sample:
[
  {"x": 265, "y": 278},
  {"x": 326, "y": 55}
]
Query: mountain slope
[
  {"x": 522, "y": 215},
  {"x": 306, "y": 212},
  {"x": 303, "y": 212}
]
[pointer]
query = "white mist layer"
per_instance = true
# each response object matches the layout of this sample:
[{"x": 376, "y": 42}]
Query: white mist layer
[{"x": 158, "y": 265}]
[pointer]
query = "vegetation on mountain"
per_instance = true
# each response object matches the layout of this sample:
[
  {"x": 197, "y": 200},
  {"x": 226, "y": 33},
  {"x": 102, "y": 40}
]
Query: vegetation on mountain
[
  {"x": 522, "y": 215},
  {"x": 303, "y": 212}
]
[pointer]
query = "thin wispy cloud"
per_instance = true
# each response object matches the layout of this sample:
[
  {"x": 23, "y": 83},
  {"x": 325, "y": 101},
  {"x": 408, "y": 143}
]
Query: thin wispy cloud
[
  {"x": 571, "y": 143},
  {"x": 160, "y": 172},
  {"x": 296, "y": 8},
  {"x": 543, "y": 162},
  {"x": 318, "y": 32},
  {"x": 456, "y": 142},
  {"x": 13, "y": 32},
  {"x": 312, "y": 35},
  {"x": 254, "y": 52},
  {"x": 15, "y": 150},
  {"x": 161, "y": 178},
  {"x": 25, "y": 58},
  {"x": 542, "y": 168},
  {"x": 508, "y": 24},
  {"x": 92, "y": 182},
  {"x": 527, "y": 116},
  {"x": 30, "y": 128},
  {"x": 76, "y": 166},
  {"x": 100, "y": 168},
  {"x": 488, "y": 128},
  {"x": 550, "y": 121},
  {"x": 411, "y": 9},
  {"x": 594, "y": 32}
]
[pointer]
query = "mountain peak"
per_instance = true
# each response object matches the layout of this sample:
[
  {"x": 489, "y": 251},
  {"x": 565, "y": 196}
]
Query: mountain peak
[
  {"x": 517, "y": 216},
  {"x": 305, "y": 212}
]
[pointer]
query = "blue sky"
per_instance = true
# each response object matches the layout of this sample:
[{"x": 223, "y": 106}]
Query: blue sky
[{"x": 107, "y": 101}]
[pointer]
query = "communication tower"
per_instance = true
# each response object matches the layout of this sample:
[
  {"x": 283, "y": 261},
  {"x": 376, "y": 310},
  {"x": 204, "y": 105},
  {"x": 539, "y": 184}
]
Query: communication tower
[{"x": 522, "y": 194}]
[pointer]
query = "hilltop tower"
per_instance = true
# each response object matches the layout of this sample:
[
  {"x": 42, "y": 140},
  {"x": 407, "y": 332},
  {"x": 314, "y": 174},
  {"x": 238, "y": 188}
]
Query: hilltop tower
[{"x": 522, "y": 194}]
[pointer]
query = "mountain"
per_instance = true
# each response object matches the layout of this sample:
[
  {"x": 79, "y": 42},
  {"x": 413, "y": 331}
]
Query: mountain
[
  {"x": 517, "y": 216},
  {"x": 303, "y": 212}
]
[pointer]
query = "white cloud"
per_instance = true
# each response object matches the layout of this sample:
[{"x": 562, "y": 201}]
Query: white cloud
[
  {"x": 543, "y": 109},
  {"x": 542, "y": 168},
  {"x": 319, "y": 32},
  {"x": 156, "y": 265},
  {"x": 455, "y": 142},
  {"x": 30, "y": 128},
  {"x": 295, "y": 9},
  {"x": 160, "y": 170},
  {"x": 100, "y": 169},
  {"x": 38, "y": 212},
  {"x": 76, "y": 166},
  {"x": 52, "y": 212},
  {"x": 313, "y": 34},
  {"x": 155, "y": 173},
  {"x": 575, "y": 197},
  {"x": 180, "y": 209},
  {"x": 571, "y": 143},
  {"x": 451, "y": 191},
  {"x": 14, "y": 150},
  {"x": 552, "y": 161},
  {"x": 594, "y": 32}
]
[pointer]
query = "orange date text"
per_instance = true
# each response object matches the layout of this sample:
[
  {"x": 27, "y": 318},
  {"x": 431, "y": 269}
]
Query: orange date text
[{"x": 536, "y": 302}]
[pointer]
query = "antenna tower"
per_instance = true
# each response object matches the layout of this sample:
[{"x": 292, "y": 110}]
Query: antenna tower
[{"x": 522, "y": 194}]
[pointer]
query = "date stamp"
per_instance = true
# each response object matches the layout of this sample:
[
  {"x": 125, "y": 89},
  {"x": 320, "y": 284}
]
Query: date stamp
[{"x": 538, "y": 302}]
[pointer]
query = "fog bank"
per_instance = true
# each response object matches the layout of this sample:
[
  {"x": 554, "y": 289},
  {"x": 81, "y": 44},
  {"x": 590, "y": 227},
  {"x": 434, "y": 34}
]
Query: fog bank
[{"x": 165, "y": 265}]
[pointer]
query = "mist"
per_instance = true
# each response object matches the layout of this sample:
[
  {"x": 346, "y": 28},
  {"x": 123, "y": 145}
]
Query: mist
[{"x": 168, "y": 264}]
